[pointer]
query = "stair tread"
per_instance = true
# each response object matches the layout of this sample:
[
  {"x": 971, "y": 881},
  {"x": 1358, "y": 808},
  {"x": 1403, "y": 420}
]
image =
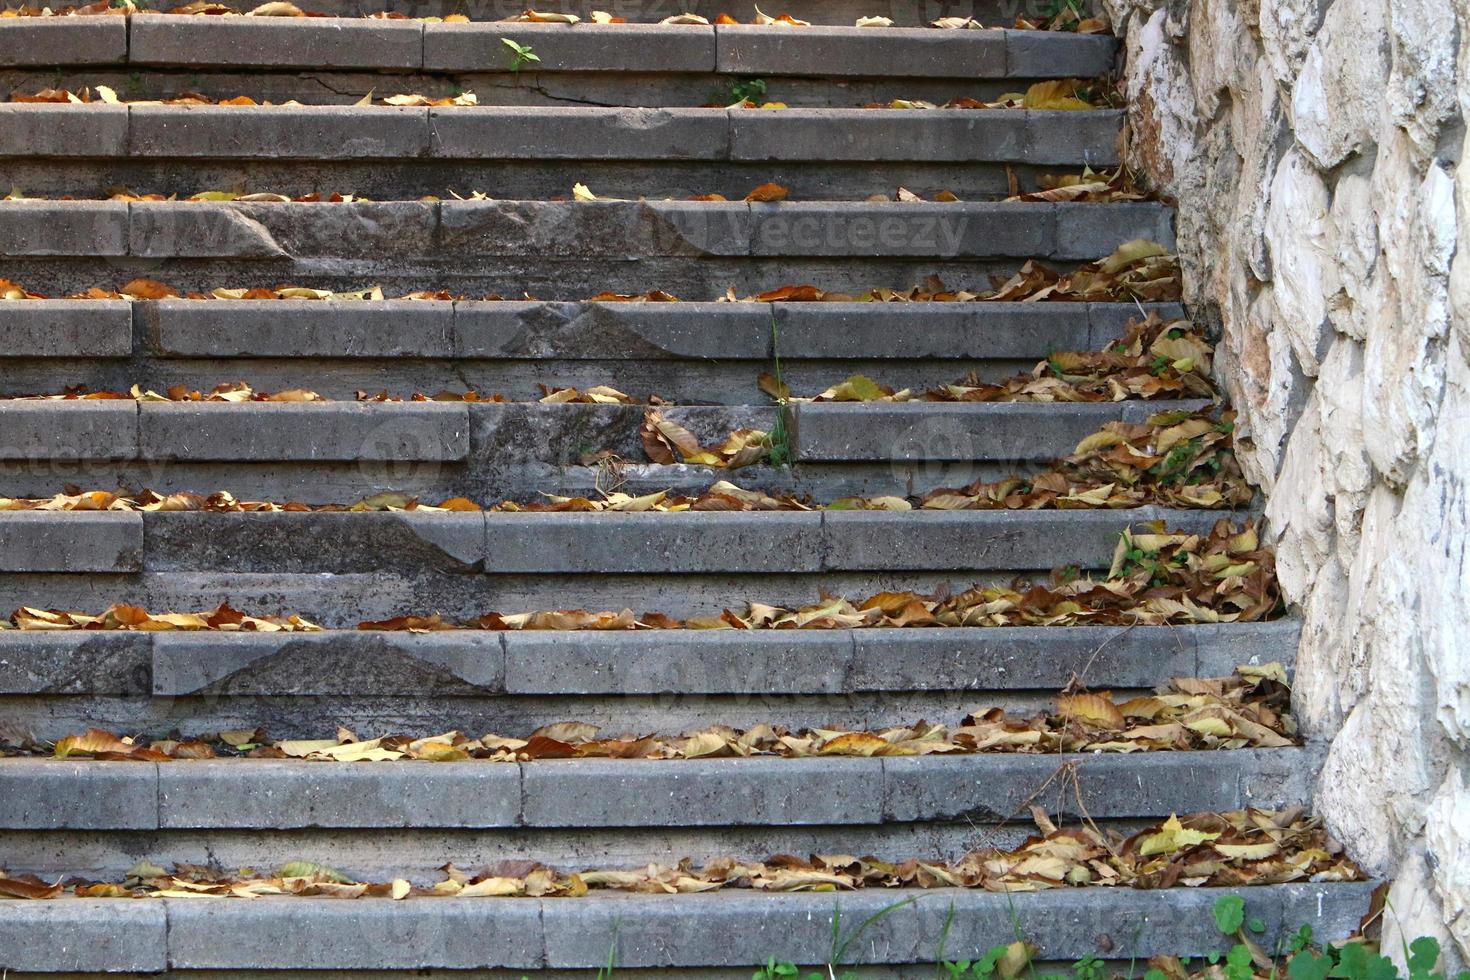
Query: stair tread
[{"x": 647, "y": 930}]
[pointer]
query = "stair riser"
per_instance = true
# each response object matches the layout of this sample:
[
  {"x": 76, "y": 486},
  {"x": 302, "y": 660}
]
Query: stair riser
[
  {"x": 687, "y": 352},
  {"x": 445, "y": 234},
  {"x": 382, "y": 853},
  {"x": 411, "y": 178},
  {"x": 531, "y": 134},
  {"x": 560, "y": 278},
  {"x": 327, "y": 483},
  {"x": 491, "y": 436},
  {"x": 315, "y": 716},
  {"x": 503, "y": 545},
  {"x": 788, "y": 670},
  {"x": 702, "y": 793},
  {"x": 586, "y": 544},
  {"x": 344, "y": 600},
  {"x": 545, "y": 89},
  {"x": 730, "y": 382}
]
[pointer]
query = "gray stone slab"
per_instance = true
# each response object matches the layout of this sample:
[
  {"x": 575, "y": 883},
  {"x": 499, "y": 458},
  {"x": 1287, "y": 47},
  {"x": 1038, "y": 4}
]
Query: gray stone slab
[
  {"x": 276, "y": 42},
  {"x": 46, "y": 41},
  {"x": 335, "y": 662},
  {"x": 38, "y": 228},
  {"x": 717, "y": 928},
  {"x": 560, "y": 434},
  {"x": 579, "y": 133},
  {"x": 291, "y": 431},
  {"x": 1108, "y": 320},
  {"x": 866, "y": 52},
  {"x": 276, "y": 132},
  {"x": 50, "y": 541},
  {"x": 831, "y": 431},
  {"x": 930, "y": 330},
  {"x": 986, "y": 539},
  {"x": 1017, "y": 658},
  {"x": 653, "y": 543},
  {"x": 701, "y": 792},
  {"x": 314, "y": 542},
  {"x": 1225, "y": 646},
  {"x": 1090, "y": 231},
  {"x": 50, "y": 430},
  {"x": 749, "y": 662},
  {"x": 617, "y": 229},
  {"x": 1050, "y": 54},
  {"x": 1334, "y": 910},
  {"x": 272, "y": 328},
  {"x": 576, "y": 48},
  {"x": 278, "y": 794},
  {"x": 366, "y": 934},
  {"x": 333, "y": 231},
  {"x": 989, "y": 787},
  {"x": 936, "y": 135},
  {"x": 61, "y": 794},
  {"x": 898, "y": 229},
  {"x": 84, "y": 935},
  {"x": 93, "y": 662},
  {"x": 612, "y": 331},
  {"x": 904, "y": 925},
  {"x": 29, "y": 129},
  {"x": 66, "y": 328},
  {"x": 180, "y": 229}
]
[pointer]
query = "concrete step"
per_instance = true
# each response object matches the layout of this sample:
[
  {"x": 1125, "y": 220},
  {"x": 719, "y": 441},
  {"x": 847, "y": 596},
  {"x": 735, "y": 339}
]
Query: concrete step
[
  {"x": 244, "y": 794},
  {"x": 498, "y": 435},
  {"x": 406, "y": 231},
  {"x": 814, "y": 542},
  {"x": 683, "y": 352},
  {"x": 1018, "y": 661},
  {"x": 327, "y": 44},
  {"x": 414, "y": 177},
  {"x": 345, "y": 133},
  {"x": 299, "y": 685},
  {"x": 644, "y": 931}
]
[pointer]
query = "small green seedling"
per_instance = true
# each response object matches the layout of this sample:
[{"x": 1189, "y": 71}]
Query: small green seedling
[{"x": 521, "y": 55}]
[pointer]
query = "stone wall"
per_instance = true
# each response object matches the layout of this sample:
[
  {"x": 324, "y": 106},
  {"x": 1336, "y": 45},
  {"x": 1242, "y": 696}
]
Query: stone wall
[{"x": 1315, "y": 148}]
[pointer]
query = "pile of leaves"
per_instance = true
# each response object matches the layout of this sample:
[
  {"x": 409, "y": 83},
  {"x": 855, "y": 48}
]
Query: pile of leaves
[
  {"x": 1058, "y": 94},
  {"x": 1248, "y": 710},
  {"x": 239, "y": 391},
  {"x": 1138, "y": 270},
  {"x": 122, "y": 617},
  {"x": 1231, "y": 849},
  {"x": 721, "y": 496},
  {"x": 1174, "y": 459},
  {"x": 1089, "y": 186},
  {"x": 1154, "y": 359},
  {"x": 667, "y": 442},
  {"x": 1157, "y": 578}
]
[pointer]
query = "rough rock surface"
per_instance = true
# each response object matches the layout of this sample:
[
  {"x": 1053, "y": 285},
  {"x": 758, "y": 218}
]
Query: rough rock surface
[{"x": 1318, "y": 152}]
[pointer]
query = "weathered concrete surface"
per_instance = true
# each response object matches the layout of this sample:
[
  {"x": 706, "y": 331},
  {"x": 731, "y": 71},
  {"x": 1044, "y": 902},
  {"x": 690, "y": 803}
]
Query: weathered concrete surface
[
  {"x": 85, "y": 935},
  {"x": 653, "y": 931},
  {"x": 35, "y": 541},
  {"x": 63, "y": 328},
  {"x": 48, "y": 41},
  {"x": 1317, "y": 152}
]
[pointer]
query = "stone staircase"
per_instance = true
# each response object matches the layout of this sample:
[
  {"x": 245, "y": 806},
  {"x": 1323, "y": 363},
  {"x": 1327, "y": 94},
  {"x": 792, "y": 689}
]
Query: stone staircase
[{"x": 611, "y": 107}]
